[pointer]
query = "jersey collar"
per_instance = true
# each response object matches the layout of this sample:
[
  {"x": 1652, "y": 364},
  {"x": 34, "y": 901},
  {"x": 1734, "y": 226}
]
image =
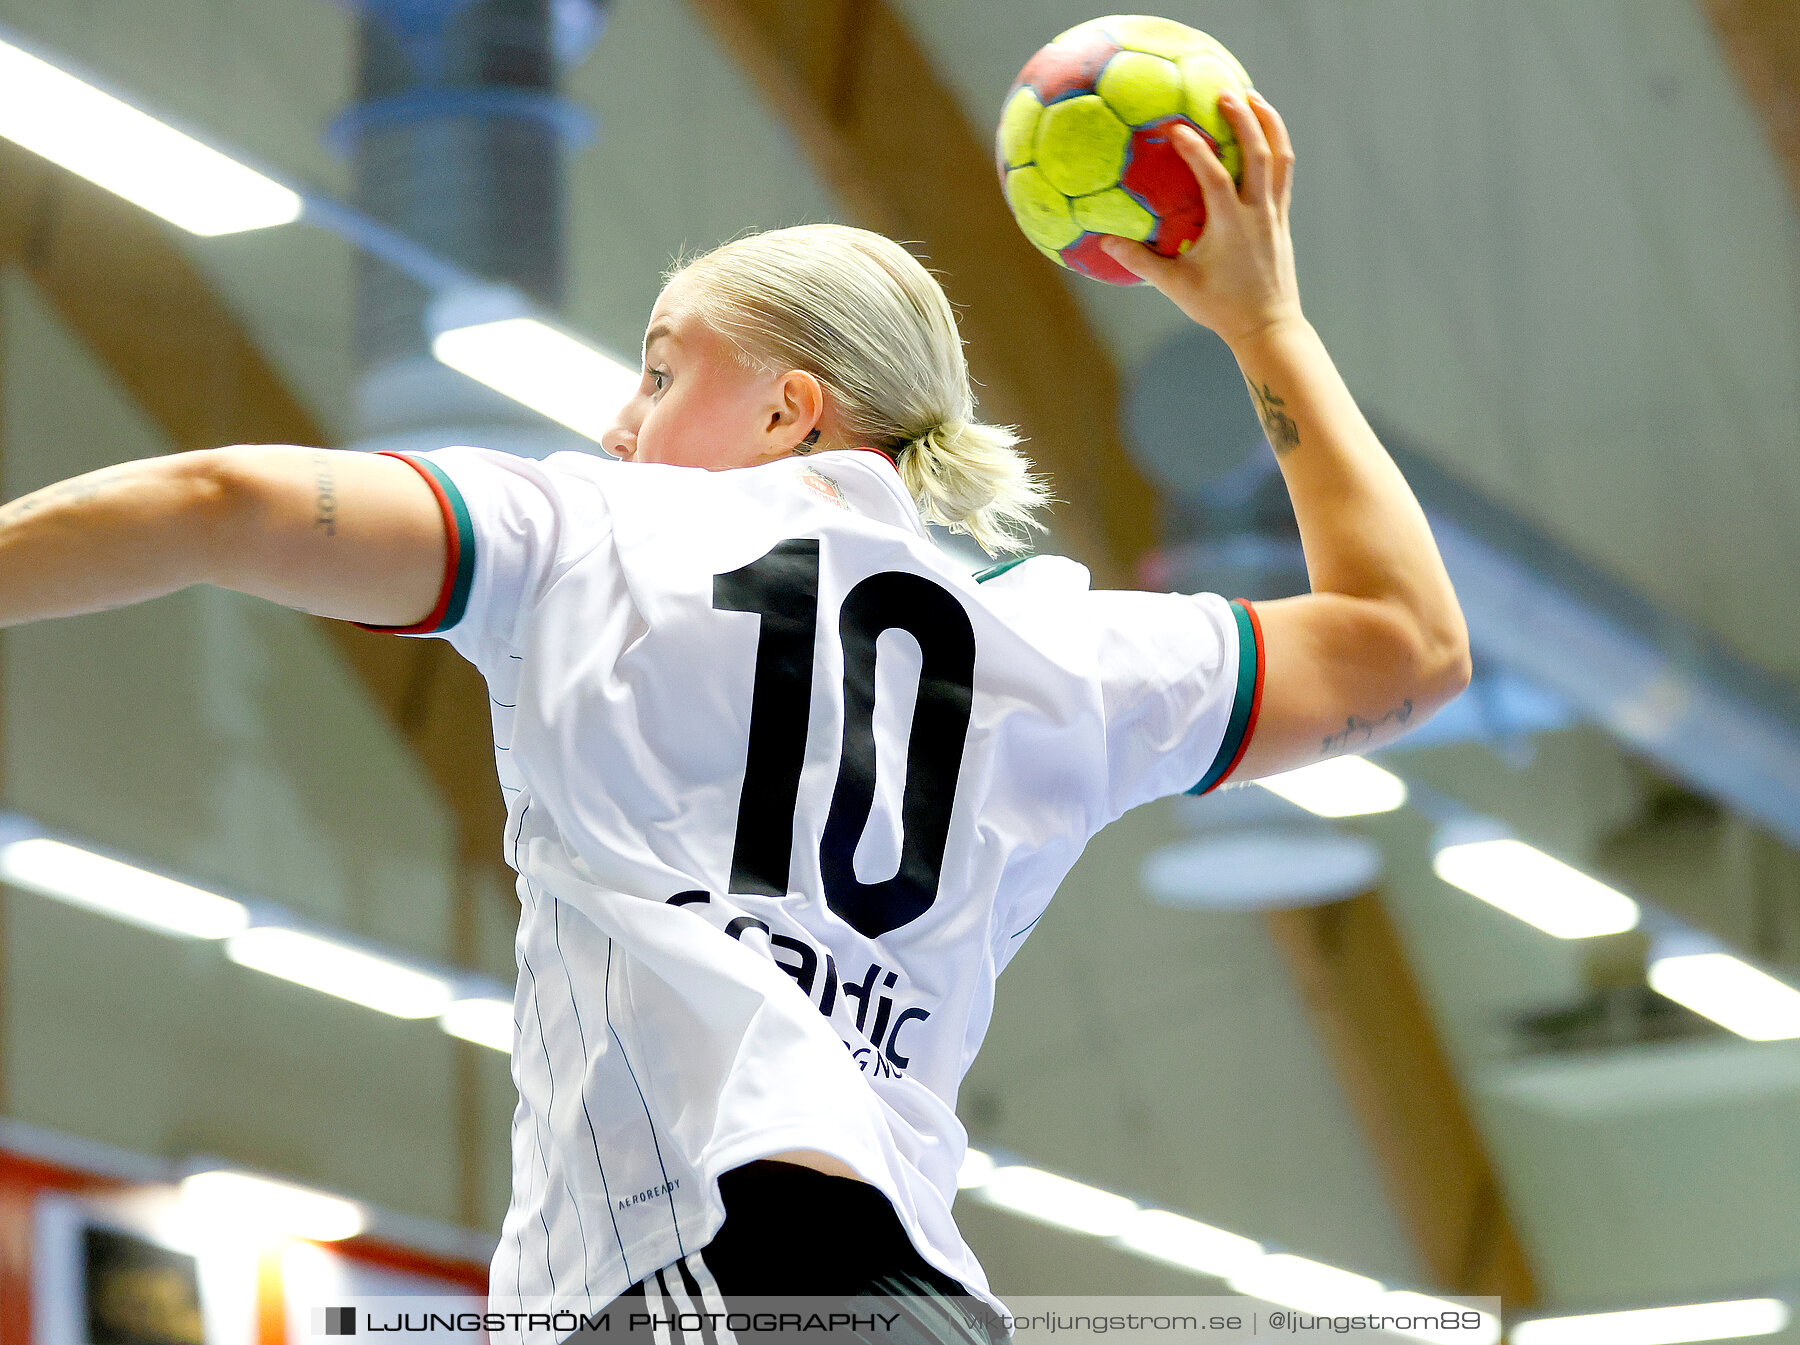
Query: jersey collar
[
  {"x": 881, "y": 453},
  {"x": 884, "y": 470}
]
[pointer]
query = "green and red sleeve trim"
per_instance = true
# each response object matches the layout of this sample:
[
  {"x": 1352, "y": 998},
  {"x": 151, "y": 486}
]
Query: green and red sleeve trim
[
  {"x": 1247, "y": 700},
  {"x": 459, "y": 559}
]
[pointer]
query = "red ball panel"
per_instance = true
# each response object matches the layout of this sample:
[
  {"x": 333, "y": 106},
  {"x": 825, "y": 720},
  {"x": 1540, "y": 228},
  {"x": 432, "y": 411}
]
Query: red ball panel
[
  {"x": 1163, "y": 183},
  {"x": 1086, "y": 256},
  {"x": 1070, "y": 67}
]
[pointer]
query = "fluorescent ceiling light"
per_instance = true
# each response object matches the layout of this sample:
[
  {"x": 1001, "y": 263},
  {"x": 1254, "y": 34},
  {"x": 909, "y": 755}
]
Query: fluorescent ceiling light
[
  {"x": 1260, "y": 869},
  {"x": 321, "y": 964},
  {"x": 1531, "y": 886},
  {"x": 1732, "y": 993},
  {"x": 1056, "y": 1200},
  {"x": 1173, "y": 1238},
  {"x": 1405, "y": 1303},
  {"x": 224, "y": 1197},
  {"x": 486, "y": 1022},
  {"x": 1659, "y": 1326},
  {"x": 1341, "y": 787},
  {"x": 112, "y": 144},
  {"x": 1306, "y": 1286},
  {"x": 976, "y": 1168},
  {"x": 547, "y": 370},
  {"x": 85, "y": 879}
]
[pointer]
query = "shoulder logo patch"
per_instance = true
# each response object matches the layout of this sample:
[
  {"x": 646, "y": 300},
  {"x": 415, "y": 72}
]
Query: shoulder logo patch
[{"x": 823, "y": 486}]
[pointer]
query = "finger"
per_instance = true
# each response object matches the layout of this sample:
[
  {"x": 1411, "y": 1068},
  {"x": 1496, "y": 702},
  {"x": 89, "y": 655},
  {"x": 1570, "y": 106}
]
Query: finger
[
  {"x": 1252, "y": 143},
  {"x": 1138, "y": 259},
  {"x": 1281, "y": 147},
  {"x": 1197, "y": 153}
]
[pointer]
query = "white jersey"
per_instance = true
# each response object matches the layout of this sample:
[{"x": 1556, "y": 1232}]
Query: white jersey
[{"x": 786, "y": 788}]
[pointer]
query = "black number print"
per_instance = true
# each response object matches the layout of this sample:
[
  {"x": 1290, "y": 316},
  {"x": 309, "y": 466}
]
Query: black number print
[
  {"x": 783, "y": 588},
  {"x": 933, "y": 616}
]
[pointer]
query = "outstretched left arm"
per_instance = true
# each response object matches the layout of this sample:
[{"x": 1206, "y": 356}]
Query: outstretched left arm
[{"x": 342, "y": 534}]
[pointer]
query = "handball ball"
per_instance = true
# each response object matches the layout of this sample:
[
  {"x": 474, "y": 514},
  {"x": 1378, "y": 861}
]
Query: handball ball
[{"x": 1083, "y": 147}]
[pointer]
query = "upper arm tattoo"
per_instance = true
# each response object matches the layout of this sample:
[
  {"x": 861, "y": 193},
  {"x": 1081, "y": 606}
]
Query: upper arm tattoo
[
  {"x": 326, "y": 498},
  {"x": 1358, "y": 731}
]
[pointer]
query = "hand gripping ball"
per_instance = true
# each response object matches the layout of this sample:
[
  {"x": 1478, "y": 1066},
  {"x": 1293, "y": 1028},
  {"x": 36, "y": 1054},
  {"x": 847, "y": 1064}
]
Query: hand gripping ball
[{"x": 1083, "y": 147}]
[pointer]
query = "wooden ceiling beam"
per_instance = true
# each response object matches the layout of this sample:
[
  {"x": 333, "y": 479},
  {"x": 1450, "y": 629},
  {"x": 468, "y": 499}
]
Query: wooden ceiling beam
[
  {"x": 1761, "y": 39},
  {"x": 1353, "y": 974},
  {"x": 120, "y": 281},
  {"x": 889, "y": 138}
]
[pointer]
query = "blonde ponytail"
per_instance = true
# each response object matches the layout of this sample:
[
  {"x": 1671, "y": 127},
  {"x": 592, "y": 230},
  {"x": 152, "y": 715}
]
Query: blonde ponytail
[
  {"x": 858, "y": 312},
  {"x": 970, "y": 479}
]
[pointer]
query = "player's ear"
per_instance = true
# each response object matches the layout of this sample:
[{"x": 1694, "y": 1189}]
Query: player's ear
[{"x": 802, "y": 407}]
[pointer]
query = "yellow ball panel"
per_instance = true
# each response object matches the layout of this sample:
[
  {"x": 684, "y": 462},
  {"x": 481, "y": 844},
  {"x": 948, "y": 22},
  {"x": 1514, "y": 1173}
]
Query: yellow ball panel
[
  {"x": 1042, "y": 211},
  {"x": 1081, "y": 145},
  {"x": 1140, "y": 88},
  {"x": 1114, "y": 212},
  {"x": 1204, "y": 77},
  {"x": 1052, "y": 254},
  {"x": 1159, "y": 37},
  {"x": 1018, "y": 127},
  {"x": 1236, "y": 66}
]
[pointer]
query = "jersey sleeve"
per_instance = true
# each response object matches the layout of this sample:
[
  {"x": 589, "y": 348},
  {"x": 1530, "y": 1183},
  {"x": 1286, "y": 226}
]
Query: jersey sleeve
[
  {"x": 1181, "y": 683},
  {"x": 505, "y": 518}
]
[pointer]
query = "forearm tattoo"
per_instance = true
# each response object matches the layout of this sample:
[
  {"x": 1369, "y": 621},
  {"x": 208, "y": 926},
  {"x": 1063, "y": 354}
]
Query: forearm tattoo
[
  {"x": 77, "y": 490},
  {"x": 18, "y": 509},
  {"x": 1284, "y": 435},
  {"x": 326, "y": 502},
  {"x": 1357, "y": 732}
]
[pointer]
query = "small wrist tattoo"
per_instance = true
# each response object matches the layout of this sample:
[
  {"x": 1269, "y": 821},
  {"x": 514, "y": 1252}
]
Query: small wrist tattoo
[{"x": 1283, "y": 434}]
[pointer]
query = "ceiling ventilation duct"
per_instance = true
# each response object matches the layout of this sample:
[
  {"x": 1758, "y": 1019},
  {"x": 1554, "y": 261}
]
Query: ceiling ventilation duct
[
  {"x": 1231, "y": 528},
  {"x": 1554, "y": 636},
  {"x": 457, "y": 144},
  {"x": 1655, "y": 680}
]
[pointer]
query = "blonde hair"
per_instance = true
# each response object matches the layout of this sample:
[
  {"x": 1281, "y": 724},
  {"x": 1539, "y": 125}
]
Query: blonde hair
[{"x": 858, "y": 312}]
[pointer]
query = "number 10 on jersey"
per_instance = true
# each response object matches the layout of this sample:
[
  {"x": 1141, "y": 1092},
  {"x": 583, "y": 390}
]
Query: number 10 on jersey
[{"x": 782, "y": 588}]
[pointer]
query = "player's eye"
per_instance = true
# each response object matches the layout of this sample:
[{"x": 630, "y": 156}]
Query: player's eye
[{"x": 659, "y": 379}]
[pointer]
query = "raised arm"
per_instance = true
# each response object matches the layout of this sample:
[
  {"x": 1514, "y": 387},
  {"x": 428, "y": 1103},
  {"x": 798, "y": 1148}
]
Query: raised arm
[
  {"x": 342, "y": 534},
  {"x": 1380, "y": 643}
]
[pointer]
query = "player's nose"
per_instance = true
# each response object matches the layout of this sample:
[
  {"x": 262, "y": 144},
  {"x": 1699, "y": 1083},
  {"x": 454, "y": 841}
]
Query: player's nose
[{"x": 617, "y": 441}]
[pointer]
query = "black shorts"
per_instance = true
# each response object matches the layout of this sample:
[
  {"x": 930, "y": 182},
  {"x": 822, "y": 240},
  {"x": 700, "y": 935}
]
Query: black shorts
[{"x": 797, "y": 1241}]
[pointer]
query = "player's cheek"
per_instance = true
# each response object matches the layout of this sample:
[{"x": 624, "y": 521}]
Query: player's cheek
[
  {"x": 653, "y": 425},
  {"x": 687, "y": 431}
]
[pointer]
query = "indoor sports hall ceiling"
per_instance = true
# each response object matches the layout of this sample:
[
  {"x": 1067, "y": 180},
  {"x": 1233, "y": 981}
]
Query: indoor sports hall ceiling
[{"x": 1550, "y": 248}]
